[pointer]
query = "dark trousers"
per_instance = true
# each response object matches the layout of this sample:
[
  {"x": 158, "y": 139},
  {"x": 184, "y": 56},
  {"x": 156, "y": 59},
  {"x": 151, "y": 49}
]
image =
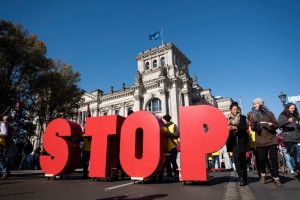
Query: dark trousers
[
  {"x": 262, "y": 158},
  {"x": 240, "y": 163},
  {"x": 85, "y": 162},
  {"x": 3, "y": 167},
  {"x": 172, "y": 160},
  {"x": 290, "y": 146}
]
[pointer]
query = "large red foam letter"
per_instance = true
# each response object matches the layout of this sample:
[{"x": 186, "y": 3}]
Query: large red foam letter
[
  {"x": 64, "y": 155},
  {"x": 143, "y": 146},
  {"x": 196, "y": 142},
  {"x": 105, "y": 132}
]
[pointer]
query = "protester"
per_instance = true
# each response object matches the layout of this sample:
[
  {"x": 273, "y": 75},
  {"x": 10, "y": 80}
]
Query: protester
[
  {"x": 265, "y": 124},
  {"x": 255, "y": 164},
  {"x": 86, "y": 152},
  {"x": 3, "y": 134},
  {"x": 38, "y": 152},
  {"x": 216, "y": 160},
  {"x": 225, "y": 157},
  {"x": 10, "y": 156},
  {"x": 173, "y": 135},
  {"x": 283, "y": 151},
  {"x": 289, "y": 121},
  {"x": 26, "y": 157},
  {"x": 238, "y": 141}
]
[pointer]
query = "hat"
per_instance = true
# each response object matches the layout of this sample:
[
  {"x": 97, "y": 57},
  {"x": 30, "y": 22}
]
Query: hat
[
  {"x": 167, "y": 118},
  {"x": 259, "y": 101}
]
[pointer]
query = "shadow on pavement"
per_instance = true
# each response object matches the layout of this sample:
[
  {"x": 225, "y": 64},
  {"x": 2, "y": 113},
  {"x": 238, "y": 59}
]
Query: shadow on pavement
[{"x": 149, "y": 197}]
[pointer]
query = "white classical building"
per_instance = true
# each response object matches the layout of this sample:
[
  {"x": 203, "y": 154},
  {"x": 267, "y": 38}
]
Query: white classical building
[{"x": 162, "y": 84}]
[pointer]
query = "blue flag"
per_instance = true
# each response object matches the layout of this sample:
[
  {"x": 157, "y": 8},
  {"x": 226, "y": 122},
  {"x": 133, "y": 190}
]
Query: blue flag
[{"x": 155, "y": 36}]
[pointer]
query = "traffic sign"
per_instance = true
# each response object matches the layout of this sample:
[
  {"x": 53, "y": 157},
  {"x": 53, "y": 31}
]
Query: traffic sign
[{"x": 294, "y": 98}]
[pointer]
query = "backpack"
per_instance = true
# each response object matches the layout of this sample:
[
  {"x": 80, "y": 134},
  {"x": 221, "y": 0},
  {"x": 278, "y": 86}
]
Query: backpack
[{"x": 174, "y": 135}]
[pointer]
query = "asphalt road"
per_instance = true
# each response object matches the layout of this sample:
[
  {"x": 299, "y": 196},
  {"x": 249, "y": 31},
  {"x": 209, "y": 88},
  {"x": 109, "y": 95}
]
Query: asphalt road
[{"x": 222, "y": 185}]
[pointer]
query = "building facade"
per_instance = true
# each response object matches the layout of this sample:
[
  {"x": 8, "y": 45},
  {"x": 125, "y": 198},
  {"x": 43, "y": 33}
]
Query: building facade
[{"x": 162, "y": 84}]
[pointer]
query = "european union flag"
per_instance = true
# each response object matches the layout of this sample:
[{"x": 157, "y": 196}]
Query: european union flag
[{"x": 155, "y": 36}]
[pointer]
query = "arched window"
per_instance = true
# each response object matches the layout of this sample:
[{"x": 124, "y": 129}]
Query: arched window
[
  {"x": 147, "y": 65},
  {"x": 162, "y": 61},
  {"x": 154, "y": 63},
  {"x": 154, "y": 105}
]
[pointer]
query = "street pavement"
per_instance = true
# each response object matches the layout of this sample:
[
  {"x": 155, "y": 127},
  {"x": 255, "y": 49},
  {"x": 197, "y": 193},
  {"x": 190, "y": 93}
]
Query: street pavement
[{"x": 221, "y": 185}]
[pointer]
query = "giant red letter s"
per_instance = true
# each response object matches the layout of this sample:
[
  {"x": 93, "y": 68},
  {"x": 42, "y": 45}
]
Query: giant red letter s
[
  {"x": 203, "y": 129},
  {"x": 64, "y": 155}
]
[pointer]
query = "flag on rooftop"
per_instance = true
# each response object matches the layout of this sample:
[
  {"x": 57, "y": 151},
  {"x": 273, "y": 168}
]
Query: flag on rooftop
[{"x": 156, "y": 35}]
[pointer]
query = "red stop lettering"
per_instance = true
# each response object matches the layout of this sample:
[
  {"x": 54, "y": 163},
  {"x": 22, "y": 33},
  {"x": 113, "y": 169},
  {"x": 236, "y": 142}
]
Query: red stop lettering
[
  {"x": 64, "y": 155},
  {"x": 105, "y": 132},
  {"x": 143, "y": 145},
  {"x": 196, "y": 143}
]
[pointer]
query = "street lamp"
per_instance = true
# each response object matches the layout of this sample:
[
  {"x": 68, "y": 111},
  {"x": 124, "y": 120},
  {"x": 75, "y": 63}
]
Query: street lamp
[{"x": 282, "y": 98}]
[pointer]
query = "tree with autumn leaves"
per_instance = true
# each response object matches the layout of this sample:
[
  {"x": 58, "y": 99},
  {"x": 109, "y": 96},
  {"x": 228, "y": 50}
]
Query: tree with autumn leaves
[{"x": 43, "y": 88}]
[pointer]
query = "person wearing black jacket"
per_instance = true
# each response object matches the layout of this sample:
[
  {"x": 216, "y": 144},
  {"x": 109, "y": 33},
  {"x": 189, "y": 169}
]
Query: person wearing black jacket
[
  {"x": 238, "y": 141},
  {"x": 27, "y": 149}
]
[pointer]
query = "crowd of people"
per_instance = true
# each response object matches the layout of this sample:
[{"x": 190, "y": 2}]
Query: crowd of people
[
  {"x": 260, "y": 143},
  {"x": 257, "y": 142}
]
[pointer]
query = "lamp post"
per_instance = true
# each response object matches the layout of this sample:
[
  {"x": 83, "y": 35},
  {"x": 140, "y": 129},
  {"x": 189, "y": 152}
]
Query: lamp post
[
  {"x": 282, "y": 97},
  {"x": 240, "y": 98}
]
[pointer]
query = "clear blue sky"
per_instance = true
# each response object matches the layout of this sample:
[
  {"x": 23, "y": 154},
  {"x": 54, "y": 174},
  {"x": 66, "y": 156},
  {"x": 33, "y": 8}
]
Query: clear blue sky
[{"x": 247, "y": 48}]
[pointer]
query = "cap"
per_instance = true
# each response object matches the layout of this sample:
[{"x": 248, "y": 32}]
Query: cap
[{"x": 167, "y": 117}]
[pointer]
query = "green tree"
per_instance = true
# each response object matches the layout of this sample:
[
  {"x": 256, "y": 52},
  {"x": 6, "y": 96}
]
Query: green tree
[
  {"x": 22, "y": 59},
  {"x": 47, "y": 89},
  {"x": 57, "y": 94}
]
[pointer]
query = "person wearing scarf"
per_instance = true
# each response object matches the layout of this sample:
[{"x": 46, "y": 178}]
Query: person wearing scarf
[
  {"x": 265, "y": 124},
  {"x": 289, "y": 122},
  {"x": 238, "y": 141}
]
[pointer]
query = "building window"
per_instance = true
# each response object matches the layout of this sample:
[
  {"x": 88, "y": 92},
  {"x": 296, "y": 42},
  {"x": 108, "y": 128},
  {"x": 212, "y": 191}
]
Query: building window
[
  {"x": 147, "y": 65},
  {"x": 154, "y": 63},
  {"x": 117, "y": 112},
  {"x": 154, "y": 105},
  {"x": 129, "y": 109},
  {"x": 80, "y": 118},
  {"x": 84, "y": 116},
  {"x": 105, "y": 113},
  {"x": 162, "y": 61}
]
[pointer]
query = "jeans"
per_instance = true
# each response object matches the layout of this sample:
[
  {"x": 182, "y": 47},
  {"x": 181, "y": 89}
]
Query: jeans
[
  {"x": 287, "y": 159},
  {"x": 2, "y": 162},
  {"x": 214, "y": 160},
  {"x": 292, "y": 149}
]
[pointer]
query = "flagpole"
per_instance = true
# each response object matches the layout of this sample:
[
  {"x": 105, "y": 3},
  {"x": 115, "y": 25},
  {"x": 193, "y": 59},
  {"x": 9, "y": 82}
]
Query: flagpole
[{"x": 162, "y": 37}]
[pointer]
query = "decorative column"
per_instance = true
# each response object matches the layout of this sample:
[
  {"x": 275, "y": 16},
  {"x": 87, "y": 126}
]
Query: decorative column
[
  {"x": 122, "y": 109},
  {"x": 163, "y": 101},
  {"x": 186, "y": 97},
  {"x": 174, "y": 93}
]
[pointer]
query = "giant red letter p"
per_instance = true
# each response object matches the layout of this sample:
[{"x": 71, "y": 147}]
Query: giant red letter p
[{"x": 203, "y": 130}]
